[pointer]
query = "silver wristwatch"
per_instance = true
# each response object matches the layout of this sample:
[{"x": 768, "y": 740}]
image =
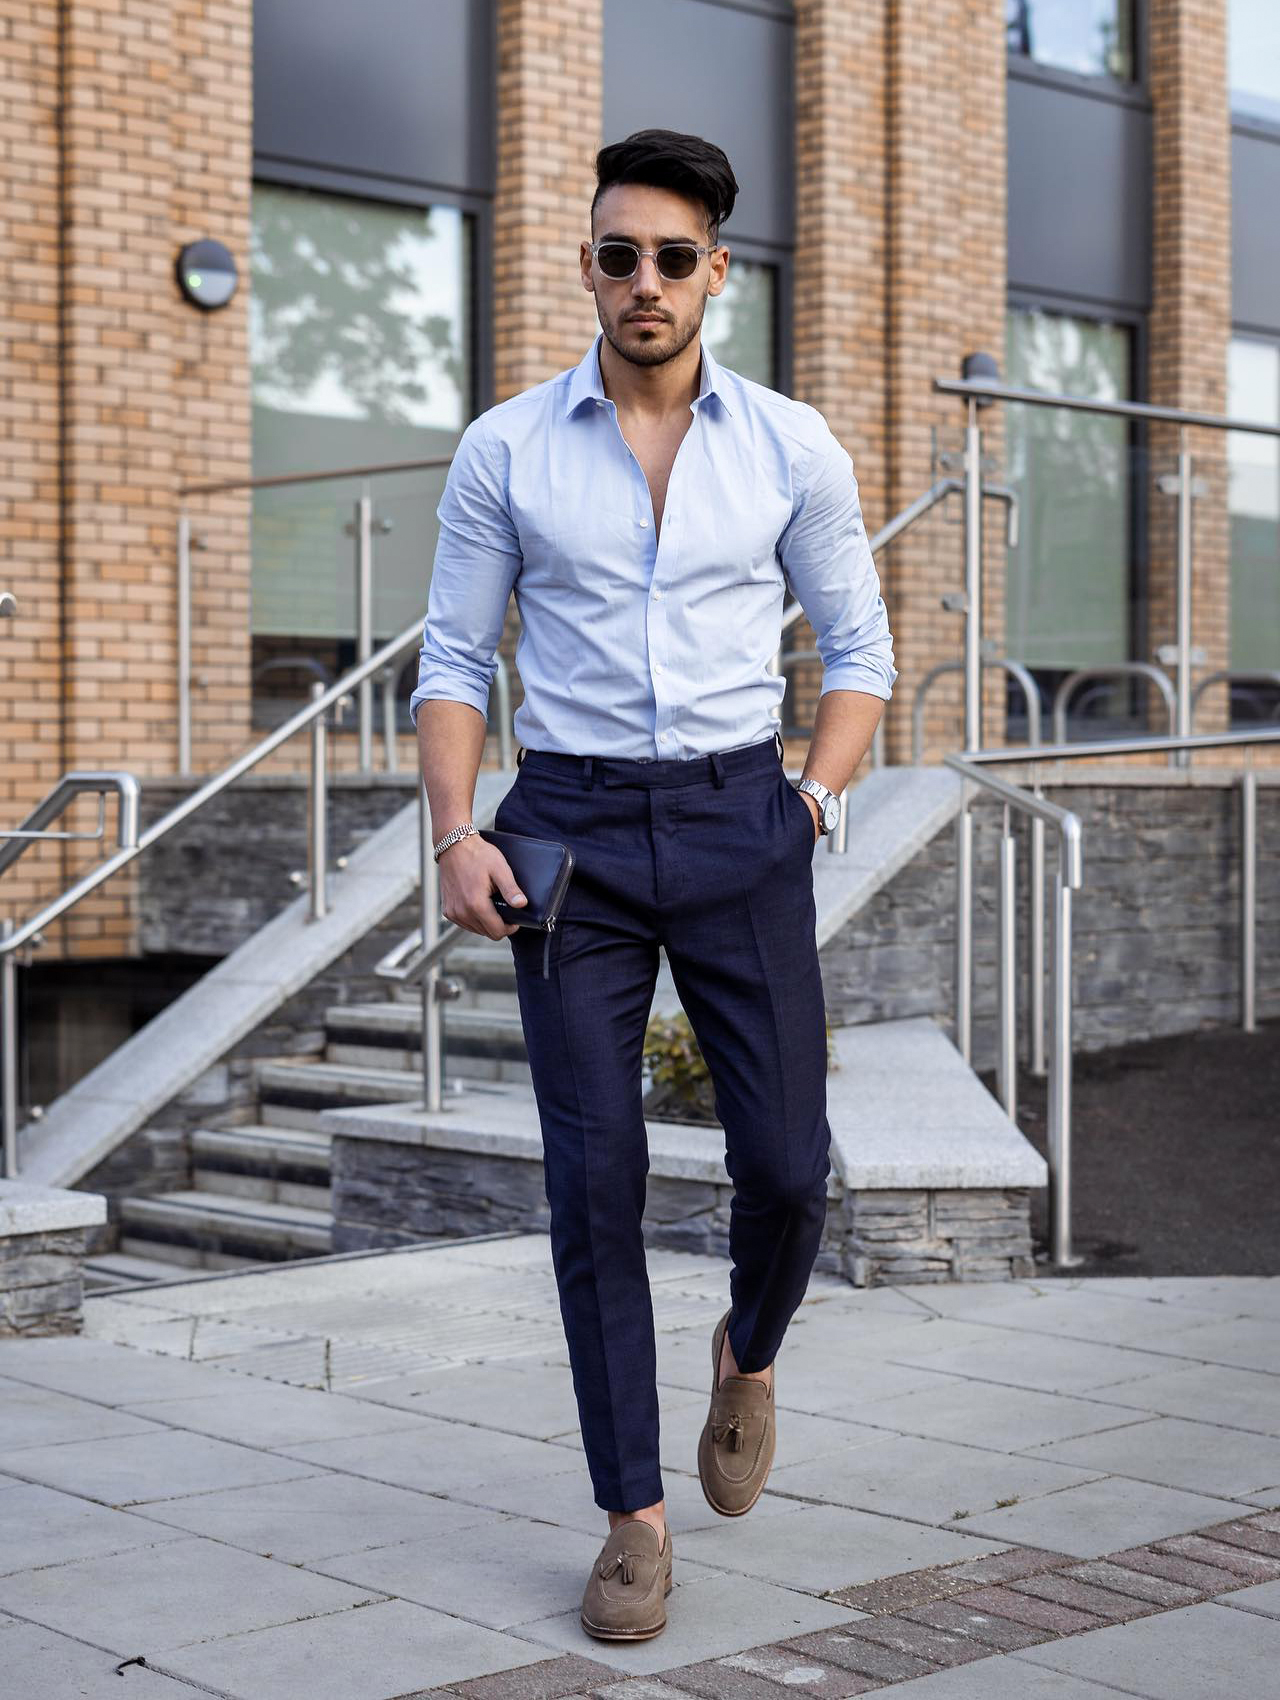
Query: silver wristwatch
[
  {"x": 828, "y": 804},
  {"x": 467, "y": 827}
]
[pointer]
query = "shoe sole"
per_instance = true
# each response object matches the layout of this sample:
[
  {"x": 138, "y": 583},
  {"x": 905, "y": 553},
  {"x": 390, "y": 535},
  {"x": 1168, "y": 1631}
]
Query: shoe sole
[
  {"x": 717, "y": 1341},
  {"x": 602, "y": 1634}
]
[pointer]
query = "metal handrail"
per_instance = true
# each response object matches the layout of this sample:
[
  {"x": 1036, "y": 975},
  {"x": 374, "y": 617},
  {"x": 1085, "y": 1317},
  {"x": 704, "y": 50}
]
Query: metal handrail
[
  {"x": 1229, "y": 676},
  {"x": 362, "y": 528},
  {"x": 1116, "y": 670},
  {"x": 68, "y": 788},
  {"x": 972, "y": 765},
  {"x": 13, "y": 937},
  {"x": 979, "y": 390},
  {"x": 1015, "y": 670}
]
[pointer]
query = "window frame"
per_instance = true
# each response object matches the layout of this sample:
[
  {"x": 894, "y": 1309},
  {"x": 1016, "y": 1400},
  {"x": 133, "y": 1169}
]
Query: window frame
[
  {"x": 783, "y": 262},
  {"x": 418, "y": 196},
  {"x": 1138, "y": 582},
  {"x": 1101, "y": 85}
]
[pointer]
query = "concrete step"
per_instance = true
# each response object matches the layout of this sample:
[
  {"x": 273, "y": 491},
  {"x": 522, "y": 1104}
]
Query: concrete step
[
  {"x": 289, "y": 1166},
  {"x": 123, "y": 1269},
  {"x": 484, "y": 1043},
  {"x": 293, "y": 1094},
  {"x": 214, "y": 1231}
]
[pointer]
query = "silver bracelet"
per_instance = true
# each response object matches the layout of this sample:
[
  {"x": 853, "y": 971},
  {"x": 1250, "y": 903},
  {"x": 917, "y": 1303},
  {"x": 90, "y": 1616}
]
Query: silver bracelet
[{"x": 458, "y": 833}]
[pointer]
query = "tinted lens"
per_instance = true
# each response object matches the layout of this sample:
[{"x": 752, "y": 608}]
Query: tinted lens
[
  {"x": 616, "y": 259},
  {"x": 675, "y": 260}
]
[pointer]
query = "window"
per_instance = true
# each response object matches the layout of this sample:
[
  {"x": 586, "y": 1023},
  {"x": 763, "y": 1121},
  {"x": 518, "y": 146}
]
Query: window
[
  {"x": 1254, "y": 54},
  {"x": 739, "y": 324},
  {"x": 1068, "y": 590},
  {"x": 1093, "y": 37},
  {"x": 360, "y": 345},
  {"x": 1253, "y": 502}
]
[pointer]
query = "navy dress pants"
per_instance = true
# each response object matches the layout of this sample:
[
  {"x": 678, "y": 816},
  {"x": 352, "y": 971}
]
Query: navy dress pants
[{"x": 711, "y": 858}]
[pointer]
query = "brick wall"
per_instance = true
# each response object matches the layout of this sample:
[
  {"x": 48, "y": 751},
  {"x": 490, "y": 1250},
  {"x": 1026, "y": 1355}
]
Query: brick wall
[
  {"x": 900, "y": 237},
  {"x": 129, "y": 130},
  {"x": 1191, "y": 314}
]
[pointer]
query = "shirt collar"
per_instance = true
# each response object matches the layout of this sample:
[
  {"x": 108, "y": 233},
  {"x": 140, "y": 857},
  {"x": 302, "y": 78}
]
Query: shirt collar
[{"x": 586, "y": 383}]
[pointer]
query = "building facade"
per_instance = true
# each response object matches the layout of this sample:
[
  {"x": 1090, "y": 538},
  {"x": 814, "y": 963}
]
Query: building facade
[{"x": 1077, "y": 188}]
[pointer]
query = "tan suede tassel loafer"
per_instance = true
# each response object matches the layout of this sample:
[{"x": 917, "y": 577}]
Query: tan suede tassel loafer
[
  {"x": 735, "y": 1448},
  {"x": 625, "y": 1596}
]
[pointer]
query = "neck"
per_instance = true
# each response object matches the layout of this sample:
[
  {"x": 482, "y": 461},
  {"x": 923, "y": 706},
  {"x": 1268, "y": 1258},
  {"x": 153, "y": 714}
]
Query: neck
[{"x": 652, "y": 392}]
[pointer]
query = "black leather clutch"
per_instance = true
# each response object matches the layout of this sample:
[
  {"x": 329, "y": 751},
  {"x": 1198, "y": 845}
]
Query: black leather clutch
[{"x": 542, "y": 868}]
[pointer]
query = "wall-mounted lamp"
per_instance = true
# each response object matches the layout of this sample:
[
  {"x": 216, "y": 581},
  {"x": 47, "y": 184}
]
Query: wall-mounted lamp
[{"x": 207, "y": 274}]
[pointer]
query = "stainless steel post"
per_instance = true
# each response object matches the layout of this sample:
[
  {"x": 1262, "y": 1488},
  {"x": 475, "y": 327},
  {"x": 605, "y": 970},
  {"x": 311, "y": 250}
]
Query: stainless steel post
[
  {"x": 964, "y": 925},
  {"x": 1060, "y": 1073},
  {"x": 429, "y": 923},
  {"x": 317, "y": 815},
  {"x": 1184, "y": 593},
  {"x": 184, "y": 642},
  {"x": 390, "y": 761},
  {"x": 364, "y": 624},
  {"x": 1008, "y": 970},
  {"x": 973, "y": 580},
  {"x": 9, "y": 1054},
  {"x": 1035, "y": 948},
  {"x": 1248, "y": 900}
]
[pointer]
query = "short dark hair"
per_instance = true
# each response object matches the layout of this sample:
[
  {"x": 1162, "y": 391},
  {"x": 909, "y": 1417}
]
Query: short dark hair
[{"x": 666, "y": 159}]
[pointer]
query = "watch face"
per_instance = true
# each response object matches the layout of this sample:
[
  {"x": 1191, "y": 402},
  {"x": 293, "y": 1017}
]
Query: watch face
[{"x": 830, "y": 814}]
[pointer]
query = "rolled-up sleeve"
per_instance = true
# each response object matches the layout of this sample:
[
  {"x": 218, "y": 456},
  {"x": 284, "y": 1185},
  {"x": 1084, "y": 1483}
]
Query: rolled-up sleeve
[
  {"x": 476, "y": 564},
  {"x": 827, "y": 558}
]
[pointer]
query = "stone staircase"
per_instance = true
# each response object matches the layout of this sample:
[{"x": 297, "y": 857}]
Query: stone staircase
[{"x": 260, "y": 1191}]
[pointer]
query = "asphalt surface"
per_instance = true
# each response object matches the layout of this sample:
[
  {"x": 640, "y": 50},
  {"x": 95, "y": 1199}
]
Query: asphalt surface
[{"x": 1175, "y": 1155}]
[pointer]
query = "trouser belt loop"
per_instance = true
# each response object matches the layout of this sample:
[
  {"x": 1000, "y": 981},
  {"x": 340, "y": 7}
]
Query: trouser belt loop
[
  {"x": 717, "y": 768},
  {"x": 520, "y": 755},
  {"x": 588, "y": 775}
]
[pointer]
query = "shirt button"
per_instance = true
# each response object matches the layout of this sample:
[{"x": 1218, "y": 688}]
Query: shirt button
[
  {"x": 664, "y": 736},
  {"x": 657, "y": 666},
  {"x": 657, "y": 596},
  {"x": 644, "y": 524}
]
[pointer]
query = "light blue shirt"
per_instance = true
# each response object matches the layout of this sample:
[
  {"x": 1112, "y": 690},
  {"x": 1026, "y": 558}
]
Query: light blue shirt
[{"x": 631, "y": 643}]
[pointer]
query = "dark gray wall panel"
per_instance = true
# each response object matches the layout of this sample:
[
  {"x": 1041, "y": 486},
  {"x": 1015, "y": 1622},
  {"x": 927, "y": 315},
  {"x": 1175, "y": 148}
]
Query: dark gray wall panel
[
  {"x": 397, "y": 88},
  {"x": 1079, "y": 194},
  {"x": 715, "y": 71},
  {"x": 1255, "y": 231}
]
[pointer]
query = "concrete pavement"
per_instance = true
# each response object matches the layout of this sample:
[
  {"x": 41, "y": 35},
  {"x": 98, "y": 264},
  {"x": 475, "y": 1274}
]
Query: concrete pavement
[{"x": 362, "y": 1478}]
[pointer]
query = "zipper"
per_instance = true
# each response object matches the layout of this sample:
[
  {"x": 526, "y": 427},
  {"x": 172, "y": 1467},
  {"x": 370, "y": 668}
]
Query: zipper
[{"x": 546, "y": 949}]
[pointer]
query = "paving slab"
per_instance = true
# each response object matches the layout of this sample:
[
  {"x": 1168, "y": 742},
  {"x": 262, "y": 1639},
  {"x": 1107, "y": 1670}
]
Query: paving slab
[
  {"x": 42, "y": 1526},
  {"x": 1245, "y": 1342},
  {"x": 1023, "y": 1357},
  {"x": 929, "y": 1481},
  {"x": 35, "y": 1416},
  {"x": 134, "y": 1468},
  {"x": 499, "y": 1573},
  {"x": 314, "y": 1517},
  {"x": 532, "y": 1399},
  {"x": 1000, "y": 1678},
  {"x": 819, "y": 1548},
  {"x": 1188, "y": 1654},
  {"x": 1098, "y": 1517},
  {"x": 706, "y": 1619},
  {"x": 1210, "y": 1393},
  {"x": 434, "y": 1456},
  {"x": 1264, "y": 1599},
  {"x": 386, "y": 1651},
  {"x": 57, "y": 1667},
  {"x": 165, "y": 1596},
  {"x": 265, "y": 1415},
  {"x": 980, "y": 1413},
  {"x": 1200, "y": 1457},
  {"x": 105, "y": 1373}
]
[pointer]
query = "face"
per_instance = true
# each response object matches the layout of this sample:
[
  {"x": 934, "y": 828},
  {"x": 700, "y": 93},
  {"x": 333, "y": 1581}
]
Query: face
[{"x": 647, "y": 318}]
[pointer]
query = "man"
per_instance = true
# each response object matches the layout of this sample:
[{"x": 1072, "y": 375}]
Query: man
[{"x": 645, "y": 506}]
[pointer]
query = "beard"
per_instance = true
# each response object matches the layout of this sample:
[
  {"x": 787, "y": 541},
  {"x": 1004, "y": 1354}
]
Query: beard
[{"x": 655, "y": 346}]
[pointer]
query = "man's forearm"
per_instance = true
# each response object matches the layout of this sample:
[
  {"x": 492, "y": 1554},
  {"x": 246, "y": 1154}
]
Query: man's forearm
[
  {"x": 842, "y": 732},
  {"x": 450, "y": 749}
]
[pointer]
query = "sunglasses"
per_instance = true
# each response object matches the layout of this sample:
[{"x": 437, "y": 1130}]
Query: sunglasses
[{"x": 675, "y": 260}]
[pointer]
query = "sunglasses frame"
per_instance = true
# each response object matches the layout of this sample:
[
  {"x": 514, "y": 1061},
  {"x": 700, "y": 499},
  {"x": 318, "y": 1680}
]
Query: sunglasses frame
[{"x": 618, "y": 242}]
